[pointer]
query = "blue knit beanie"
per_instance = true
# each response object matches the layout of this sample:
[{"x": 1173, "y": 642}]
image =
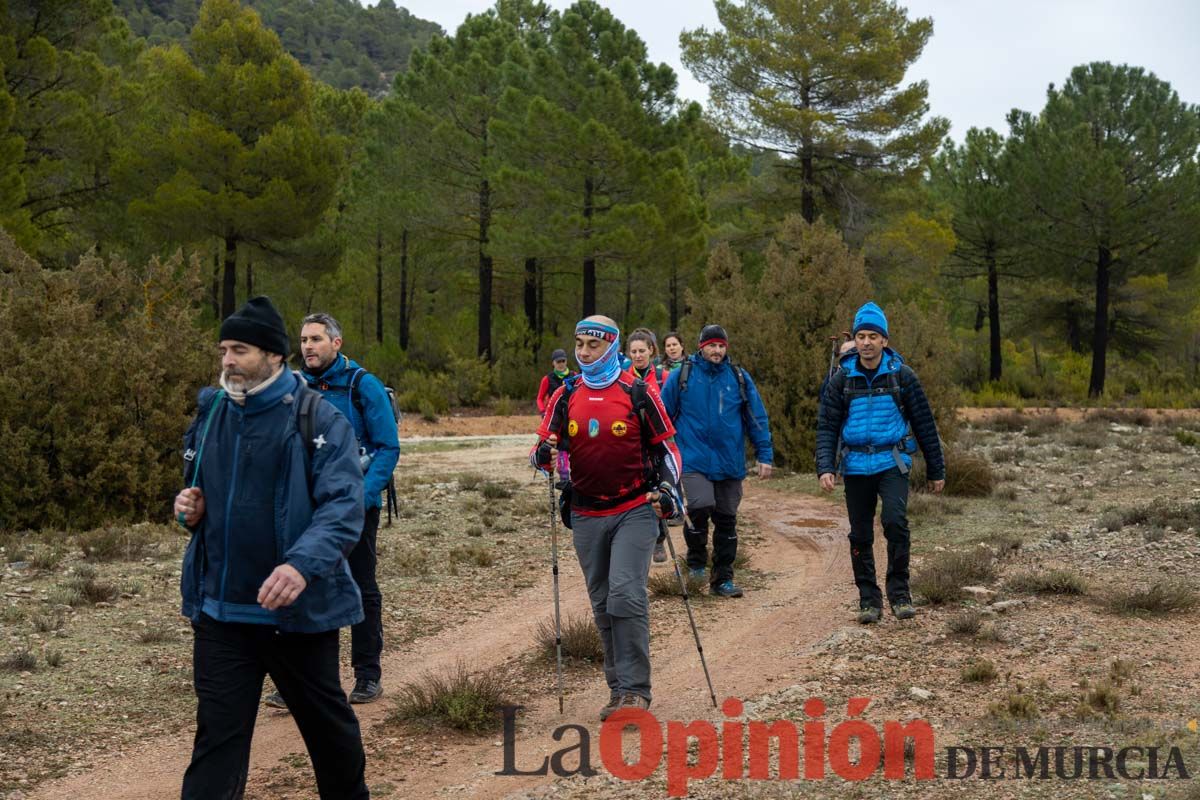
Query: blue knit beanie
[{"x": 870, "y": 318}]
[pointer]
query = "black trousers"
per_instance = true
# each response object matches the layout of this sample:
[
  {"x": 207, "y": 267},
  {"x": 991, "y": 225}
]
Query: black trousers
[
  {"x": 366, "y": 638},
  {"x": 861, "y": 493},
  {"x": 229, "y": 662},
  {"x": 718, "y": 501}
]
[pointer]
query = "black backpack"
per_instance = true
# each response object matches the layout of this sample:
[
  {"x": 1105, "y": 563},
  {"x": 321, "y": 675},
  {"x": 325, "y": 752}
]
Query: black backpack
[
  {"x": 685, "y": 372},
  {"x": 392, "y": 502}
]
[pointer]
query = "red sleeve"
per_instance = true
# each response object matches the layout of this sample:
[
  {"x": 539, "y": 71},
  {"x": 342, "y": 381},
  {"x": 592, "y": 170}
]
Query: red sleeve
[
  {"x": 552, "y": 422},
  {"x": 541, "y": 395},
  {"x": 657, "y": 418}
]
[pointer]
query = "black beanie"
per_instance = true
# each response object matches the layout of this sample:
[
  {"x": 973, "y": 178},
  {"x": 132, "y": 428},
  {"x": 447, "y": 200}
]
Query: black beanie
[
  {"x": 258, "y": 323},
  {"x": 713, "y": 333}
]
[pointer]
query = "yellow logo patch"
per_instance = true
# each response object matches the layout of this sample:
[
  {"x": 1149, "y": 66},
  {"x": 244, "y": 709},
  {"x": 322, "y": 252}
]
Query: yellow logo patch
[
  {"x": 572, "y": 428},
  {"x": 619, "y": 428}
]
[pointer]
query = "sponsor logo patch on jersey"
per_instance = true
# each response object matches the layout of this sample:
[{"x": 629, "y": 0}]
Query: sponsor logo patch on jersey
[
  {"x": 573, "y": 428},
  {"x": 593, "y": 427},
  {"x": 619, "y": 428}
]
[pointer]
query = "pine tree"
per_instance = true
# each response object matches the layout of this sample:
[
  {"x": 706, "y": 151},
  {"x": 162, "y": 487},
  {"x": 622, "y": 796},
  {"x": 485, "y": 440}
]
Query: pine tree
[
  {"x": 819, "y": 83},
  {"x": 231, "y": 151},
  {"x": 1109, "y": 173}
]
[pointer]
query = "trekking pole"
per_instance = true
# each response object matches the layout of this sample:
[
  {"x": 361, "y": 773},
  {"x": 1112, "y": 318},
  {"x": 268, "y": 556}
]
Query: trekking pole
[
  {"x": 554, "y": 557},
  {"x": 688, "y": 605}
]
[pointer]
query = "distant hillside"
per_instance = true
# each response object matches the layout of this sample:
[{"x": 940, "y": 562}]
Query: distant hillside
[{"x": 339, "y": 41}]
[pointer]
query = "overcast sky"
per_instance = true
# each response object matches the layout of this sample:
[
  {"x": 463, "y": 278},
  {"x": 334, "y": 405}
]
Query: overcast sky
[{"x": 985, "y": 57}]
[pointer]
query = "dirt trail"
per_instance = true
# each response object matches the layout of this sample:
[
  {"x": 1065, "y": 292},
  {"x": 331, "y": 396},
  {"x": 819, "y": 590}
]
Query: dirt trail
[{"x": 753, "y": 645}]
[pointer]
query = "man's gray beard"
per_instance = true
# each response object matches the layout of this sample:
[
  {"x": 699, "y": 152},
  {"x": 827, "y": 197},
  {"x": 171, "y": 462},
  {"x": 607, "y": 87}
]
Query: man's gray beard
[{"x": 249, "y": 382}]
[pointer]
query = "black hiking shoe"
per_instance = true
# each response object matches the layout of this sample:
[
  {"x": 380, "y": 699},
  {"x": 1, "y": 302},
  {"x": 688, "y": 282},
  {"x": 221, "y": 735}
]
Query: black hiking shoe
[
  {"x": 275, "y": 700},
  {"x": 660, "y": 552},
  {"x": 614, "y": 700},
  {"x": 365, "y": 691},
  {"x": 869, "y": 614}
]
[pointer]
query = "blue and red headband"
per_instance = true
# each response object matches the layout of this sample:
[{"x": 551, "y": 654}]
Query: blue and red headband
[{"x": 597, "y": 329}]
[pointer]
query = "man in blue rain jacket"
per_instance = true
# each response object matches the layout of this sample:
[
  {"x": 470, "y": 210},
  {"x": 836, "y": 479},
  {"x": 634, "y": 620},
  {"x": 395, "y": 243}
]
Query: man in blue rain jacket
[
  {"x": 716, "y": 407},
  {"x": 265, "y": 579},
  {"x": 362, "y": 398},
  {"x": 873, "y": 415}
]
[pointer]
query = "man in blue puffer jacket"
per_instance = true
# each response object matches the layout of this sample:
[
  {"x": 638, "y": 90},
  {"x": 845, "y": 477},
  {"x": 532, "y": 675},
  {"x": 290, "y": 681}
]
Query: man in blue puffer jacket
[
  {"x": 716, "y": 407},
  {"x": 876, "y": 405},
  {"x": 265, "y": 580},
  {"x": 363, "y": 400}
]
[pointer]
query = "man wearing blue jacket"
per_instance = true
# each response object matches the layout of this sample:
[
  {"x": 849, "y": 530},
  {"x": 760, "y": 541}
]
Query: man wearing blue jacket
[
  {"x": 265, "y": 580},
  {"x": 716, "y": 407},
  {"x": 362, "y": 399},
  {"x": 875, "y": 404}
]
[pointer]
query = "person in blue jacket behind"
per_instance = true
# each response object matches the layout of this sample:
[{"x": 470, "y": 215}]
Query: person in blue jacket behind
[
  {"x": 265, "y": 580},
  {"x": 875, "y": 404},
  {"x": 362, "y": 399},
  {"x": 716, "y": 407}
]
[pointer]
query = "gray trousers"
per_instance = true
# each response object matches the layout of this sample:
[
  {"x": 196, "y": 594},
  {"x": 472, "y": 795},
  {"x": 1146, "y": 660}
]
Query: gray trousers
[{"x": 614, "y": 553}]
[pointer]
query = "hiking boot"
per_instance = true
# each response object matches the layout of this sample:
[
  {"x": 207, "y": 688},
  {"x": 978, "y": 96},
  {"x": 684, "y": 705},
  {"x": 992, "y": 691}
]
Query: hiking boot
[
  {"x": 365, "y": 691},
  {"x": 904, "y": 610},
  {"x": 631, "y": 700},
  {"x": 869, "y": 614},
  {"x": 726, "y": 589},
  {"x": 275, "y": 700},
  {"x": 614, "y": 700},
  {"x": 696, "y": 573},
  {"x": 660, "y": 552}
]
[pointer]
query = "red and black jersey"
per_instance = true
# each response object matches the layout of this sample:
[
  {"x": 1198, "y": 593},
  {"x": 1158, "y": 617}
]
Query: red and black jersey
[{"x": 610, "y": 451}]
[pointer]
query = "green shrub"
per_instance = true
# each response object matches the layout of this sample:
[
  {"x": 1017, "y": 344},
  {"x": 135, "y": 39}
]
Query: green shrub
[
  {"x": 580, "y": 640},
  {"x": 1162, "y": 597},
  {"x": 116, "y": 543},
  {"x": 1187, "y": 438},
  {"x": 966, "y": 475},
  {"x": 1017, "y": 705},
  {"x": 980, "y": 671},
  {"x": 109, "y": 358},
  {"x": 475, "y": 554},
  {"x": 458, "y": 700},
  {"x": 664, "y": 583},
  {"x": 495, "y": 491},
  {"x": 1055, "y": 581},
  {"x": 965, "y": 623},
  {"x": 1007, "y": 422},
  {"x": 941, "y": 577},
  {"x": 20, "y": 660},
  {"x": 1043, "y": 424}
]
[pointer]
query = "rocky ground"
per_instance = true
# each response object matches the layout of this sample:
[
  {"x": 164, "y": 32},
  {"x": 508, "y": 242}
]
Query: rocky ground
[{"x": 104, "y": 707}]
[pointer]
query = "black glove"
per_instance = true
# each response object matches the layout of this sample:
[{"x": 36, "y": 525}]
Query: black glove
[
  {"x": 668, "y": 502},
  {"x": 541, "y": 457},
  {"x": 564, "y": 504}
]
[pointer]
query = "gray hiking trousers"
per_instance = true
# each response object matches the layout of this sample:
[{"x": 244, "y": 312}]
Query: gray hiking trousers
[{"x": 614, "y": 553}]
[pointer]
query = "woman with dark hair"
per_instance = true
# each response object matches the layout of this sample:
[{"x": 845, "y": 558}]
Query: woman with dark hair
[{"x": 673, "y": 354}]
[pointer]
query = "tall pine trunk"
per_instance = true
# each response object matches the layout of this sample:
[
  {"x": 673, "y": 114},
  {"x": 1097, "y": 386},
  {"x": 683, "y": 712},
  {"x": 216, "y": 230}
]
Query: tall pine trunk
[
  {"x": 1100, "y": 326},
  {"x": 484, "y": 348},
  {"x": 379, "y": 284},
  {"x": 993, "y": 314},
  {"x": 404, "y": 306},
  {"x": 531, "y": 307},
  {"x": 628, "y": 293},
  {"x": 216, "y": 284},
  {"x": 249, "y": 277},
  {"x": 808, "y": 203},
  {"x": 229, "y": 284},
  {"x": 673, "y": 286},
  {"x": 589, "y": 261}
]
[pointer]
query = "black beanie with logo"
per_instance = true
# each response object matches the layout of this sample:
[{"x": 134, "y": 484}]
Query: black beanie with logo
[{"x": 260, "y": 324}]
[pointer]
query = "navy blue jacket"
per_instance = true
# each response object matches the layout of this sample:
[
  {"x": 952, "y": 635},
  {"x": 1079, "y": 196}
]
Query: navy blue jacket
[
  {"x": 710, "y": 421},
  {"x": 873, "y": 418},
  {"x": 375, "y": 428},
  {"x": 265, "y": 507}
]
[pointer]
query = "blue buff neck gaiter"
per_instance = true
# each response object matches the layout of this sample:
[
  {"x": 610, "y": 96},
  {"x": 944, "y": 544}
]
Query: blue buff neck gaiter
[{"x": 604, "y": 370}]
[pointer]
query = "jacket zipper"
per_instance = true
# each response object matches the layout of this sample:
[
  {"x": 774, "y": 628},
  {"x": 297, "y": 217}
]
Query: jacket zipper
[{"x": 237, "y": 459}]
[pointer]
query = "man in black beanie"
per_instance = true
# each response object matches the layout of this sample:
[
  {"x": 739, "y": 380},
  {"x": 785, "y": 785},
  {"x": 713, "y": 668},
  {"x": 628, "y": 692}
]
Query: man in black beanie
[
  {"x": 715, "y": 407},
  {"x": 274, "y": 505}
]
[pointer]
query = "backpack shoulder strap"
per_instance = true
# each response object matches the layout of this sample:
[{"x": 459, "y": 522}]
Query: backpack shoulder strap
[
  {"x": 355, "y": 395},
  {"x": 684, "y": 373},
  {"x": 306, "y": 417}
]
